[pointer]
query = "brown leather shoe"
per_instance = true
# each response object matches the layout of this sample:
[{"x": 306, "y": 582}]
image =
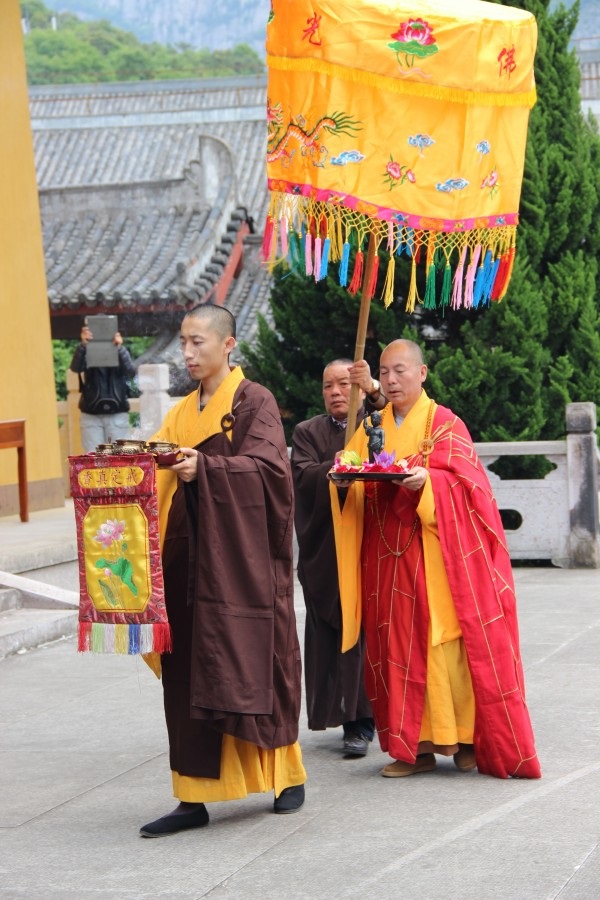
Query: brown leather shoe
[
  {"x": 424, "y": 763},
  {"x": 464, "y": 758}
]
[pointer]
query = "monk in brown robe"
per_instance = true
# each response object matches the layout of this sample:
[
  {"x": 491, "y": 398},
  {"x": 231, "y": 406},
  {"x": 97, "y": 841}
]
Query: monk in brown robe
[
  {"x": 335, "y": 691},
  {"x": 232, "y": 683}
]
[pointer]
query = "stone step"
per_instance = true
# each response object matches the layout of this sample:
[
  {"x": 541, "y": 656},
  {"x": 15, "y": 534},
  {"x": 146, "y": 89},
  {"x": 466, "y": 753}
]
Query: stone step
[
  {"x": 22, "y": 629},
  {"x": 33, "y": 613},
  {"x": 9, "y": 599}
]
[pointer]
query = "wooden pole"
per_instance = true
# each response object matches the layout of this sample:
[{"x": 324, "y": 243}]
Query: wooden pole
[{"x": 361, "y": 334}]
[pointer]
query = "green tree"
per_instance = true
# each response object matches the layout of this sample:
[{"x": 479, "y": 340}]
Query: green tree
[
  {"x": 60, "y": 57},
  {"x": 95, "y": 51},
  {"x": 510, "y": 370}
]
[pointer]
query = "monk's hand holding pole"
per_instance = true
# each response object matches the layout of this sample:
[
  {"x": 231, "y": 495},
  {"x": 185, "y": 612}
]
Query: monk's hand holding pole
[
  {"x": 416, "y": 480},
  {"x": 360, "y": 374},
  {"x": 187, "y": 469}
]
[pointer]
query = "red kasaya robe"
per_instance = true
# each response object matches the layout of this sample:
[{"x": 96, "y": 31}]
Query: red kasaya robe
[{"x": 397, "y": 551}]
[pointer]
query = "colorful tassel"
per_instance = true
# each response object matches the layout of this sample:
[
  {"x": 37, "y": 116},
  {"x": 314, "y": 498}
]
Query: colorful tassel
[
  {"x": 294, "y": 247},
  {"x": 97, "y": 638},
  {"x": 446, "y": 286},
  {"x": 308, "y": 265},
  {"x": 121, "y": 639},
  {"x": 83, "y": 637},
  {"x": 104, "y": 637},
  {"x": 412, "y": 288},
  {"x": 457, "y": 287},
  {"x": 357, "y": 275},
  {"x": 325, "y": 258},
  {"x": 390, "y": 239},
  {"x": 162, "y": 638},
  {"x": 388, "y": 285},
  {"x": 339, "y": 240},
  {"x": 283, "y": 236},
  {"x": 134, "y": 639},
  {"x": 317, "y": 259},
  {"x": 489, "y": 285},
  {"x": 429, "y": 298},
  {"x": 343, "y": 273},
  {"x": 509, "y": 271},
  {"x": 470, "y": 277},
  {"x": 267, "y": 239},
  {"x": 371, "y": 287},
  {"x": 482, "y": 271}
]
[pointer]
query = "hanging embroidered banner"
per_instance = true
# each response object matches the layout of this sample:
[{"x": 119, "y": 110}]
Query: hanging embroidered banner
[
  {"x": 405, "y": 121},
  {"x": 122, "y": 604}
]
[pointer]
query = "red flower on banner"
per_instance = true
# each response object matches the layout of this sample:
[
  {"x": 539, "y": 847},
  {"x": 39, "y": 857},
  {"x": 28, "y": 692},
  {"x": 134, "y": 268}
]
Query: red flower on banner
[
  {"x": 414, "y": 30},
  {"x": 413, "y": 39}
]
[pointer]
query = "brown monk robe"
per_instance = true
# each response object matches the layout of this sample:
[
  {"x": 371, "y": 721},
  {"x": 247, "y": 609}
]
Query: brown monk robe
[
  {"x": 232, "y": 683},
  {"x": 335, "y": 691}
]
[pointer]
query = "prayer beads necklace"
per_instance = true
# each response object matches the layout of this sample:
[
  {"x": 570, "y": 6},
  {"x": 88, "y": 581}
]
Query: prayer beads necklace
[{"x": 383, "y": 538}]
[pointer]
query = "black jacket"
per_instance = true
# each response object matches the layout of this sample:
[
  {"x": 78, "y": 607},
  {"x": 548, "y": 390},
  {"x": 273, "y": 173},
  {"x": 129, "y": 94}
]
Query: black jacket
[{"x": 103, "y": 389}]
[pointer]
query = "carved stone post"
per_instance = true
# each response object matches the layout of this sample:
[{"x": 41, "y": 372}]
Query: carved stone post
[
  {"x": 582, "y": 465},
  {"x": 153, "y": 380}
]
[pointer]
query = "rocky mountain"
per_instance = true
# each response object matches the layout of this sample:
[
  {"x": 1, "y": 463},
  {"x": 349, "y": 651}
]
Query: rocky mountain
[
  {"x": 213, "y": 24},
  {"x": 221, "y": 24}
]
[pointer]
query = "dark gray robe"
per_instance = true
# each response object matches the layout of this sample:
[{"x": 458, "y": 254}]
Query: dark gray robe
[{"x": 335, "y": 692}]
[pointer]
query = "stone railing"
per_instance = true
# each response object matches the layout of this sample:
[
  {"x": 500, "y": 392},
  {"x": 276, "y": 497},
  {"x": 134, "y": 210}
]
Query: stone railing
[{"x": 554, "y": 518}]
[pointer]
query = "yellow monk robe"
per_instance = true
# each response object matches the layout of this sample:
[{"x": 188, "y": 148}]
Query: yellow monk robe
[
  {"x": 245, "y": 768},
  {"x": 449, "y": 711}
]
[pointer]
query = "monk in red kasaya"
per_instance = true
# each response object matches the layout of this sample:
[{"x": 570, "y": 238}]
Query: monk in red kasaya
[{"x": 423, "y": 563}]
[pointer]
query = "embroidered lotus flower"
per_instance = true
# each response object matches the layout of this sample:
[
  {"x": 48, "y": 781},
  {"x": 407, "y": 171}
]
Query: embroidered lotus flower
[
  {"x": 414, "y": 30},
  {"x": 115, "y": 567},
  {"x": 109, "y": 531},
  {"x": 413, "y": 39},
  {"x": 394, "y": 170}
]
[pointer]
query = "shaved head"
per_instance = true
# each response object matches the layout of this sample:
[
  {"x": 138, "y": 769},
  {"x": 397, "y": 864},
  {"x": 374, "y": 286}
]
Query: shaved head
[
  {"x": 218, "y": 319},
  {"x": 410, "y": 348}
]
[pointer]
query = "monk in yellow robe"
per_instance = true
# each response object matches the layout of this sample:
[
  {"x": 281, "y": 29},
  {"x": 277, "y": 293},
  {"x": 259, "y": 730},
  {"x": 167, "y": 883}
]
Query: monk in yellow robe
[
  {"x": 423, "y": 563},
  {"x": 232, "y": 682}
]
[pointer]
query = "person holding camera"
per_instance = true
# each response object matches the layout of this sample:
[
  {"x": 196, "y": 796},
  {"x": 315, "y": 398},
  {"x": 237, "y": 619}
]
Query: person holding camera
[{"x": 103, "y": 403}]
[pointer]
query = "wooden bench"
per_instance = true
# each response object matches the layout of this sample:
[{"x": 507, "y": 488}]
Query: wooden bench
[{"x": 12, "y": 434}]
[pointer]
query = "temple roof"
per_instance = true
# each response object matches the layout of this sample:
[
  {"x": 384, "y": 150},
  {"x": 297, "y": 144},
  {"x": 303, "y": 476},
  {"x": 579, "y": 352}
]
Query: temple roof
[{"x": 147, "y": 193}]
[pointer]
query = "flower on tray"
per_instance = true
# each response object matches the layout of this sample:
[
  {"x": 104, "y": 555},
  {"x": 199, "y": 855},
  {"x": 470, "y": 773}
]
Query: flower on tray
[{"x": 350, "y": 462}]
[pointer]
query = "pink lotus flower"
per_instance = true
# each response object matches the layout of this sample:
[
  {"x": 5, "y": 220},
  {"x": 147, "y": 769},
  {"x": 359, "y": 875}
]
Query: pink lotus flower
[
  {"x": 416, "y": 30},
  {"x": 385, "y": 459},
  {"x": 394, "y": 170},
  {"x": 109, "y": 531}
]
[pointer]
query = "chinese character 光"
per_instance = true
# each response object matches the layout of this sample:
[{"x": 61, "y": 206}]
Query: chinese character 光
[{"x": 311, "y": 32}]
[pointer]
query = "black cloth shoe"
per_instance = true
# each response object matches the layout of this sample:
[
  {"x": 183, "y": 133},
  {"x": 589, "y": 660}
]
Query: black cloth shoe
[
  {"x": 175, "y": 822},
  {"x": 356, "y": 744},
  {"x": 290, "y": 800}
]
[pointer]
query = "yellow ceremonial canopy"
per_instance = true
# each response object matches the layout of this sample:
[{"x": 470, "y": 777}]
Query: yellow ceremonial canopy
[{"x": 402, "y": 121}]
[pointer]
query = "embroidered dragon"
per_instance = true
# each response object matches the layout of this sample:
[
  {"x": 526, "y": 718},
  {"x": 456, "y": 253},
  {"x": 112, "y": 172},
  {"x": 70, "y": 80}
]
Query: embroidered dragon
[{"x": 296, "y": 133}]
